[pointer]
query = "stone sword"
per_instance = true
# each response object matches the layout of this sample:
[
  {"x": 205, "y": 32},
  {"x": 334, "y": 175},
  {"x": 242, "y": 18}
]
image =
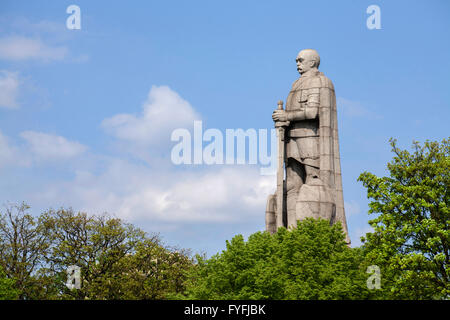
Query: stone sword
[{"x": 280, "y": 172}]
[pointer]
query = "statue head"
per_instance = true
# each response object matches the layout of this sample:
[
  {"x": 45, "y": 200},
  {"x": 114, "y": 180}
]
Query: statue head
[{"x": 307, "y": 59}]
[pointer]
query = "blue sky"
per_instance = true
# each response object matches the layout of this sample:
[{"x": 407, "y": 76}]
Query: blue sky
[{"x": 86, "y": 115}]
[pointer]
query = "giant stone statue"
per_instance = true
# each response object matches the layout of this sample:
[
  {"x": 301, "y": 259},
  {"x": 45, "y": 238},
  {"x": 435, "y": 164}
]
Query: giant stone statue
[{"x": 308, "y": 151}]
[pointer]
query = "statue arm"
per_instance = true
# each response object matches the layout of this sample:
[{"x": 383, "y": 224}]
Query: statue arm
[
  {"x": 310, "y": 112},
  {"x": 304, "y": 114}
]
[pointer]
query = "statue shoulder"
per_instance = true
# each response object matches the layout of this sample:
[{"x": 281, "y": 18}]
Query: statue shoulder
[
  {"x": 325, "y": 82},
  {"x": 317, "y": 81},
  {"x": 296, "y": 84}
]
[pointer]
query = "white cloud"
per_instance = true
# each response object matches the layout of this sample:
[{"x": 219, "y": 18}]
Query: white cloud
[
  {"x": 9, "y": 89},
  {"x": 12, "y": 155},
  {"x": 163, "y": 111},
  {"x": 167, "y": 194},
  {"x": 24, "y": 48},
  {"x": 51, "y": 147},
  {"x": 135, "y": 192},
  {"x": 5, "y": 150},
  {"x": 158, "y": 192}
]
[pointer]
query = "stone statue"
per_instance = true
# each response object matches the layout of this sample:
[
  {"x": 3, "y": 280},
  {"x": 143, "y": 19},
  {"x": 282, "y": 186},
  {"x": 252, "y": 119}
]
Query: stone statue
[{"x": 309, "y": 151}]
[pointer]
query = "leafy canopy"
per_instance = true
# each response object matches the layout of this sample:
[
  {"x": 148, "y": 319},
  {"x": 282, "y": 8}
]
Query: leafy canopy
[
  {"x": 117, "y": 260},
  {"x": 311, "y": 261},
  {"x": 411, "y": 238},
  {"x": 8, "y": 291}
]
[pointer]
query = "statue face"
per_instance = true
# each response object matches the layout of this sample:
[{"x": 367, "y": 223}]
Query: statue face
[{"x": 304, "y": 62}]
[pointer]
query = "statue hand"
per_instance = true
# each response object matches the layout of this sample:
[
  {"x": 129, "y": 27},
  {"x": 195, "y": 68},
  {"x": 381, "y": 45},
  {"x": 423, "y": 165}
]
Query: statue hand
[{"x": 279, "y": 115}]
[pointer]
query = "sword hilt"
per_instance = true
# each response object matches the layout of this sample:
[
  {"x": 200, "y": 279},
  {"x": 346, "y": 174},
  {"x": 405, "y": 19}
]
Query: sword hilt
[
  {"x": 280, "y": 124},
  {"x": 280, "y": 105}
]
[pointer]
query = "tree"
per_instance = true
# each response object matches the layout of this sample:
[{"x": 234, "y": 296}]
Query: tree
[
  {"x": 311, "y": 261},
  {"x": 411, "y": 238},
  {"x": 7, "y": 287},
  {"x": 96, "y": 244},
  {"x": 117, "y": 260},
  {"x": 156, "y": 272},
  {"x": 23, "y": 245}
]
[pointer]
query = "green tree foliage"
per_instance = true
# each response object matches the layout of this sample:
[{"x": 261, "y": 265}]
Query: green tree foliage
[
  {"x": 156, "y": 273},
  {"x": 97, "y": 244},
  {"x": 311, "y": 261},
  {"x": 8, "y": 291},
  {"x": 117, "y": 260},
  {"x": 22, "y": 247},
  {"x": 411, "y": 238},
  {"x": 410, "y": 245}
]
